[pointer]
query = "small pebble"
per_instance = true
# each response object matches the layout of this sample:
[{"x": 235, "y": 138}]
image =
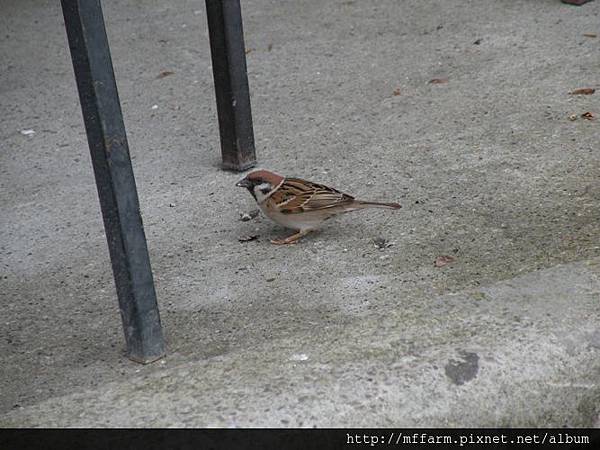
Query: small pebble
[
  {"x": 249, "y": 238},
  {"x": 245, "y": 217},
  {"x": 382, "y": 243}
]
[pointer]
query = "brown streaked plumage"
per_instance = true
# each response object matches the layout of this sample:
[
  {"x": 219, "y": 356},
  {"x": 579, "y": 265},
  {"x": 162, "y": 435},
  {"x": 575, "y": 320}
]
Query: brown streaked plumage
[
  {"x": 300, "y": 195},
  {"x": 300, "y": 204}
]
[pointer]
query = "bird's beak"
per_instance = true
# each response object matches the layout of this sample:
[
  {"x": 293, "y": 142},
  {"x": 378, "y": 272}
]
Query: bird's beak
[{"x": 243, "y": 183}]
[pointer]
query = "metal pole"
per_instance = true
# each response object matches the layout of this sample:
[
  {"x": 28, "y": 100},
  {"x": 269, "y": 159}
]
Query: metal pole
[
  {"x": 231, "y": 83},
  {"x": 114, "y": 178}
]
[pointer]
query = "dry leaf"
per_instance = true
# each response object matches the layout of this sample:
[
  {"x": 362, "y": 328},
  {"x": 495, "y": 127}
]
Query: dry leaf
[
  {"x": 590, "y": 35},
  {"x": 249, "y": 238},
  {"x": 396, "y": 91},
  {"x": 443, "y": 260},
  {"x": 588, "y": 115},
  {"x": 164, "y": 73},
  {"x": 438, "y": 81},
  {"x": 583, "y": 91}
]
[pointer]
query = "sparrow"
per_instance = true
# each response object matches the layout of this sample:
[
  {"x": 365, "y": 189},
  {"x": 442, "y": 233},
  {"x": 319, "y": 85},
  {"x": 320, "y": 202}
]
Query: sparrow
[{"x": 300, "y": 204}]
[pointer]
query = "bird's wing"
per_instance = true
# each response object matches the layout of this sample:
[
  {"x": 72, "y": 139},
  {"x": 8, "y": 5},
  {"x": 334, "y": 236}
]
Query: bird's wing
[{"x": 296, "y": 196}]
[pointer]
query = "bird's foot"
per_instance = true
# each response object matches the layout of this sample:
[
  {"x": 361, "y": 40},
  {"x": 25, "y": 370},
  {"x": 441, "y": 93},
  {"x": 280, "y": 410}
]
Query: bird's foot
[
  {"x": 282, "y": 242},
  {"x": 293, "y": 239}
]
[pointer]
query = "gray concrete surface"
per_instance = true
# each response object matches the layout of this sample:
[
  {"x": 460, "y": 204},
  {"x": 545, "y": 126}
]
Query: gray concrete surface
[{"x": 333, "y": 331}]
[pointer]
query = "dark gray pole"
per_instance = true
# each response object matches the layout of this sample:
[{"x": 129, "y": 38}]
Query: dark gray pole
[
  {"x": 114, "y": 178},
  {"x": 231, "y": 83}
]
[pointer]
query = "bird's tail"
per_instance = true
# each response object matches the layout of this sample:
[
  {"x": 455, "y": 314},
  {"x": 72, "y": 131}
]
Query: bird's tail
[{"x": 378, "y": 205}]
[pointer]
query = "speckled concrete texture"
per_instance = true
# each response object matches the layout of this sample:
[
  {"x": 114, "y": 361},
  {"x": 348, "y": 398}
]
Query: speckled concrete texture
[
  {"x": 521, "y": 352},
  {"x": 334, "y": 331}
]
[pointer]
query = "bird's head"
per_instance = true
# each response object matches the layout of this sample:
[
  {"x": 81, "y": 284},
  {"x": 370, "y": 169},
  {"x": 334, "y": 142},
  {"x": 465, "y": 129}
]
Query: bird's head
[{"x": 260, "y": 183}]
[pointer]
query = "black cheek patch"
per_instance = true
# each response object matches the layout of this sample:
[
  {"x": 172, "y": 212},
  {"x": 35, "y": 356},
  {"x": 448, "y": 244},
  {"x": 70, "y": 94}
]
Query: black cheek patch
[
  {"x": 252, "y": 192},
  {"x": 265, "y": 190}
]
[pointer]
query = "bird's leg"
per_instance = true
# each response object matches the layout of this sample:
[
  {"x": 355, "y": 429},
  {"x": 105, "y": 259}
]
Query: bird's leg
[{"x": 291, "y": 239}]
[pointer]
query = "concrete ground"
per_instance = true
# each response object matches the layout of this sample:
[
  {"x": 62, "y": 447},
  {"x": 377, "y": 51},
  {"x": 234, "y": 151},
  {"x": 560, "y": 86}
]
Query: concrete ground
[{"x": 333, "y": 331}]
